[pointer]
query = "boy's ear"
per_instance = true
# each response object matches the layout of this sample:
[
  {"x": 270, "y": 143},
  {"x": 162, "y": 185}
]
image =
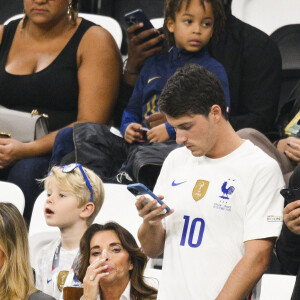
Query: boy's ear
[
  {"x": 87, "y": 210},
  {"x": 170, "y": 25}
]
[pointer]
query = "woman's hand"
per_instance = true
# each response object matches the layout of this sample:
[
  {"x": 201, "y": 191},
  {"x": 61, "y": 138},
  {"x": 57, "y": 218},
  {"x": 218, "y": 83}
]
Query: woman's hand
[
  {"x": 291, "y": 215},
  {"x": 91, "y": 280},
  {"x": 133, "y": 133},
  {"x": 158, "y": 134},
  {"x": 291, "y": 147},
  {"x": 10, "y": 151}
]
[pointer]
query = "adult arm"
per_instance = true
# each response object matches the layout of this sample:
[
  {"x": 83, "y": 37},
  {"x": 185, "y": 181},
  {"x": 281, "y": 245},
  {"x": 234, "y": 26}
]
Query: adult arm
[
  {"x": 288, "y": 244},
  {"x": 99, "y": 69},
  {"x": 256, "y": 258},
  {"x": 139, "y": 49}
]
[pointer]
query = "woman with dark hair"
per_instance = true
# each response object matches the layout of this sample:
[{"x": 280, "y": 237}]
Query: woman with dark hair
[
  {"x": 111, "y": 265},
  {"x": 16, "y": 276},
  {"x": 61, "y": 65}
]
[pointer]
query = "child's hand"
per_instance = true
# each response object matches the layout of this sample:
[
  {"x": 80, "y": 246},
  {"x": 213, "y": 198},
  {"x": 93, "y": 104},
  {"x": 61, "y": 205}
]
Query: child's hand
[
  {"x": 133, "y": 133},
  {"x": 158, "y": 134}
]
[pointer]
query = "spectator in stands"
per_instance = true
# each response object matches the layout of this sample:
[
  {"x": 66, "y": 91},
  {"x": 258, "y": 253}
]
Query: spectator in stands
[
  {"x": 74, "y": 198},
  {"x": 112, "y": 265},
  {"x": 252, "y": 62},
  {"x": 286, "y": 148},
  {"x": 191, "y": 25},
  {"x": 288, "y": 244},
  {"x": 16, "y": 275},
  {"x": 218, "y": 228},
  {"x": 61, "y": 65}
]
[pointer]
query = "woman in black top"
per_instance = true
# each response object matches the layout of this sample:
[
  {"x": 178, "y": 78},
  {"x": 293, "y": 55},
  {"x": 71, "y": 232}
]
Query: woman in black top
[{"x": 61, "y": 65}]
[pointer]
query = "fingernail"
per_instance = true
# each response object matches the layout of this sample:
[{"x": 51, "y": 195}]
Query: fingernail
[{"x": 103, "y": 259}]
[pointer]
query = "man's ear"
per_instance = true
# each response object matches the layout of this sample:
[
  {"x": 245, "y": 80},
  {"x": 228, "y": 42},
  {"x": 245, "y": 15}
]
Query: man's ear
[
  {"x": 170, "y": 25},
  {"x": 87, "y": 210},
  {"x": 216, "y": 112}
]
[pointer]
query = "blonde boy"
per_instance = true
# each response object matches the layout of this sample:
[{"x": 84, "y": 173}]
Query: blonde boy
[{"x": 74, "y": 197}]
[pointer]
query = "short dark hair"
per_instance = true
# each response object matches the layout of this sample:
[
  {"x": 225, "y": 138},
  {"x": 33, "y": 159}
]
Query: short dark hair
[
  {"x": 192, "y": 90},
  {"x": 139, "y": 289},
  {"x": 173, "y": 6}
]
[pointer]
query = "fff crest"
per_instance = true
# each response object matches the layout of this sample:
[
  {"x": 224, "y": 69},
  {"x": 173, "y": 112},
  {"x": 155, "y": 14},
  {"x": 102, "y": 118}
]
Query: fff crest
[{"x": 200, "y": 189}]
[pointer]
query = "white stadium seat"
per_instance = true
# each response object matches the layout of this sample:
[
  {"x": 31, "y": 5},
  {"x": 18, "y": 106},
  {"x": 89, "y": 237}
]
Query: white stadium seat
[
  {"x": 267, "y": 15},
  {"x": 274, "y": 287},
  {"x": 11, "y": 193}
]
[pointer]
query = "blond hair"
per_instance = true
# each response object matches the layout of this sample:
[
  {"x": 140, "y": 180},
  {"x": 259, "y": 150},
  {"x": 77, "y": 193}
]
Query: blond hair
[
  {"x": 74, "y": 183},
  {"x": 16, "y": 276}
]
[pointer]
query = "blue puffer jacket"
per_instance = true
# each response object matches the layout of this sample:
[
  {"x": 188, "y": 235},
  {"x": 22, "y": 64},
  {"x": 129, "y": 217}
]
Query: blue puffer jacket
[{"x": 153, "y": 77}]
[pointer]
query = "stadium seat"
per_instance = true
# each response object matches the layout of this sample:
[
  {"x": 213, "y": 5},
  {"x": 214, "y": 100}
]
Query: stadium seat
[
  {"x": 152, "y": 277},
  {"x": 119, "y": 206},
  {"x": 157, "y": 22},
  {"x": 275, "y": 287},
  {"x": 267, "y": 15},
  {"x": 37, "y": 222},
  {"x": 288, "y": 41},
  {"x": 108, "y": 23},
  {"x": 9, "y": 192}
]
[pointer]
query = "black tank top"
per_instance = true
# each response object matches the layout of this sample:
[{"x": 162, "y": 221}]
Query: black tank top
[{"x": 53, "y": 90}]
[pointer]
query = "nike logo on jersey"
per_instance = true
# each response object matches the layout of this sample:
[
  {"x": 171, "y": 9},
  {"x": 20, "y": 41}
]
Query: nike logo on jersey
[
  {"x": 149, "y": 80},
  {"x": 49, "y": 280},
  {"x": 178, "y": 183}
]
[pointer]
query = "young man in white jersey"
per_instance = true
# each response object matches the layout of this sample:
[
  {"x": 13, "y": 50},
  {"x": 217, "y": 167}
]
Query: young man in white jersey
[{"x": 224, "y": 194}]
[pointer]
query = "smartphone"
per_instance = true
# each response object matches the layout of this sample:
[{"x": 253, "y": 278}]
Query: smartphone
[
  {"x": 144, "y": 131},
  {"x": 290, "y": 194},
  {"x": 139, "y": 189},
  {"x": 138, "y": 16}
]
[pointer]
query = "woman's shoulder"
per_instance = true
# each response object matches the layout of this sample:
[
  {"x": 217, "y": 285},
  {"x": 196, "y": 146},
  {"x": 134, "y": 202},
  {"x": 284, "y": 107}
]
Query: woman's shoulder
[
  {"x": 40, "y": 296},
  {"x": 96, "y": 32}
]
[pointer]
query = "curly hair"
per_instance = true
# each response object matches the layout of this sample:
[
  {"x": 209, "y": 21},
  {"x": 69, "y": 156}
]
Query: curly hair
[{"x": 172, "y": 7}]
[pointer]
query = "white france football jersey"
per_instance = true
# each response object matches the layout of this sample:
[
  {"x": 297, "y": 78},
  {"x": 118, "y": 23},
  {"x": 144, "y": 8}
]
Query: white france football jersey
[{"x": 219, "y": 204}]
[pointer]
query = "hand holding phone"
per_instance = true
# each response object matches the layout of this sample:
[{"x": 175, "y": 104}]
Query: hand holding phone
[{"x": 139, "y": 189}]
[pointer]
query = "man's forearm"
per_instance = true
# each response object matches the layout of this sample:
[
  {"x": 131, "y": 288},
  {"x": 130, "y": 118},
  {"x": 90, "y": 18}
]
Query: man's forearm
[
  {"x": 246, "y": 273},
  {"x": 152, "y": 238}
]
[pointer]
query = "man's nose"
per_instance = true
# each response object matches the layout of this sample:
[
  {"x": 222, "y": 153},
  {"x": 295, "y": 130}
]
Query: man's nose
[{"x": 180, "y": 138}]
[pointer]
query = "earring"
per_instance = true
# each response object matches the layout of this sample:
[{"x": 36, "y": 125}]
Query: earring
[
  {"x": 25, "y": 19},
  {"x": 69, "y": 8}
]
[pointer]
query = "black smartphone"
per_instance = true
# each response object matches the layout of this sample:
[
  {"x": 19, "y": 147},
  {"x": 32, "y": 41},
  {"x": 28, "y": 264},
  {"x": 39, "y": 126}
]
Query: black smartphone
[
  {"x": 138, "y": 16},
  {"x": 290, "y": 194}
]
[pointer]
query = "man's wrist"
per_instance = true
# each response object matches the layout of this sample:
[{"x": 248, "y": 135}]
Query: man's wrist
[{"x": 129, "y": 70}]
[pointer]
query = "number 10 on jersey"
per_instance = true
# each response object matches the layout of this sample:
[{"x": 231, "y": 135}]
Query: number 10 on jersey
[{"x": 192, "y": 232}]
